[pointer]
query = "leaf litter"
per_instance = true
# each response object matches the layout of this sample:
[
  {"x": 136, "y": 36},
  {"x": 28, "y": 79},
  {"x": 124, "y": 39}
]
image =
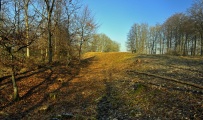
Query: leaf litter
[{"x": 100, "y": 88}]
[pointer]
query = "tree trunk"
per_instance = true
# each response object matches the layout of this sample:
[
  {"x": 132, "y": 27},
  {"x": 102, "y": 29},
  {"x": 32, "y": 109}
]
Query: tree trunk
[
  {"x": 195, "y": 46},
  {"x": 160, "y": 45},
  {"x": 163, "y": 47},
  {"x": 192, "y": 47},
  {"x": 176, "y": 41},
  {"x": 182, "y": 44},
  {"x": 170, "y": 42},
  {"x": 188, "y": 46},
  {"x": 49, "y": 39},
  {"x": 27, "y": 26},
  {"x": 49, "y": 13},
  {"x": 201, "y": 45},
  {"x": 1, "y": 16},
  {"x": 43, "y": 55},
  {"x": 185, "y": 46},
  {"x": 80, "y": 50},
  {"x": 15, "y": 87},
  {"x": 0, "y": 6}
]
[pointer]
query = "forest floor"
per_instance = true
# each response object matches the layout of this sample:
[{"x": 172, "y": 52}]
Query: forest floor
[{"x": 109, "y": 86}]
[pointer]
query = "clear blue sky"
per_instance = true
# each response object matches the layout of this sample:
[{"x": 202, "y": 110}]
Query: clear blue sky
[{"x": 117, "y": 16}]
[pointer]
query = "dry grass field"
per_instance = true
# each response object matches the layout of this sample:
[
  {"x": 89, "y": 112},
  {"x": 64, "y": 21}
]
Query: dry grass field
[{"x": 109, "y": 86}]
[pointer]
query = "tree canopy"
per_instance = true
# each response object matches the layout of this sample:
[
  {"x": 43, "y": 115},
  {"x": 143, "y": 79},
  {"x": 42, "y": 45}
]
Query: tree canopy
[{"x": 180, "y": 34}]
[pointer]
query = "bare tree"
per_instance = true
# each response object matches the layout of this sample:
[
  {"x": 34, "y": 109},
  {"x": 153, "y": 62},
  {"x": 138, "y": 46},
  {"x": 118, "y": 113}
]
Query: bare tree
[
  {"x": 180, "y": 34},
  {"x": 196, "y": 14},
  {"x": 137, "y": 37},
  {"x": 102, "y": 43},
  {"x": 0, "y": 5},
  {"x": 13, "y": 42},
  {"x": 0, "y": 14},
  {"x": 87, "y": 27},
  {"x": 65, "y": 23},
  {"x": 26, "y": 4},
  {"x": 131, "y": 40},
  {"x": 49, "y": 8}
]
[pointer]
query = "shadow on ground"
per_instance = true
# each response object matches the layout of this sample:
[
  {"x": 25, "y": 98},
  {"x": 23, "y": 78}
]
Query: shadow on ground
[
  {"x": 110, "y": 105},
  {"x": 36, "y": 88}
]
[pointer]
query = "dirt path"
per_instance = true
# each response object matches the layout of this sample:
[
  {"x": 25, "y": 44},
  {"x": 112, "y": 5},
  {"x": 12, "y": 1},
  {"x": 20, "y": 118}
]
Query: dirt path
[{"x": 106, "y": 71}]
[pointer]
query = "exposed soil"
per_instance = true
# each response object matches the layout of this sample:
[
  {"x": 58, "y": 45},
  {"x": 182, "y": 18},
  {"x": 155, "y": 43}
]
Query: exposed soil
[{"x": 107, "y": 86}]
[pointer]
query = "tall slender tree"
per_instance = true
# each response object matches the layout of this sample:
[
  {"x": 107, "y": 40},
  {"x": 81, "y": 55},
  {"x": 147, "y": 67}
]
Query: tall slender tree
[
  {"x": 1, "y": 19},
  {"x": 87, "y": 27},
  {"x": 49, "y": 8},
  {"x": 196, "y": 14},
  {"x": 132, "y": 39},
  {"x": 26, "y": 5}
]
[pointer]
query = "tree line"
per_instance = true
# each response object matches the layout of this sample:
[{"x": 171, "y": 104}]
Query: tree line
[
  {"x": 180, "y": 34},
  {"x": 45, "y": 31}
]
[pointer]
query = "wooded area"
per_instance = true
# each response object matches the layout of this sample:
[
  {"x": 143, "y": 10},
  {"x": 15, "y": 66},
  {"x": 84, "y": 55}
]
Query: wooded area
[
  {"x": 54, "y": 65},
  {"x": 180, "y": 34},
  {"x": 47, "y": 31}
]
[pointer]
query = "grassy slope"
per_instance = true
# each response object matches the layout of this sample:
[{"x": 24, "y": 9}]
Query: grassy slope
[{"x": 101, "y": 89}]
